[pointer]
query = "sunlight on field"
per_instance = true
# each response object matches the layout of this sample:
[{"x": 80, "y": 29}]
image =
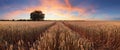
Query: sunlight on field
[{"x": 64, "y": 35}]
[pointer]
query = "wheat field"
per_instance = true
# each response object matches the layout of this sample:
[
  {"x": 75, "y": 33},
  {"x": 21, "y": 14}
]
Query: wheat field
[{"x": 60, "y": 35}]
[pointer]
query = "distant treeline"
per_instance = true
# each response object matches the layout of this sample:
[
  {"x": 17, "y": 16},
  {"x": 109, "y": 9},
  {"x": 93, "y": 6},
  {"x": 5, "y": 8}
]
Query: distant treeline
[
  {"x": 16, "y": 20},
  {"x": 27, "y": 20},
  {"x": 42, "y": 20}
]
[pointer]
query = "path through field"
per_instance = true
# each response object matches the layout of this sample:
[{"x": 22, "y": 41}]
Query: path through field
[{"x": 60, "y": 37}]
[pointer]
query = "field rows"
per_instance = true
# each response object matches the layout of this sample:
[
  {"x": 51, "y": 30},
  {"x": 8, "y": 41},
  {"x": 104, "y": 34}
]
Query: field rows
[
  {"x": 11, "y": 33},
  {"x": 59, "y": 35},
  {"x": 104, "y": 35}
]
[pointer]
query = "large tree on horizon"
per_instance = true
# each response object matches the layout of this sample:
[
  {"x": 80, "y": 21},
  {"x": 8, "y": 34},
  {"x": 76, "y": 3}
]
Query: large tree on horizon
[{"x": 37, "y": 16}]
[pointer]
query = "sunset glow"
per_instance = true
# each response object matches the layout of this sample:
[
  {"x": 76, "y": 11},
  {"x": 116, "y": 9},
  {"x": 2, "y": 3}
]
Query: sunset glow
[{"x": 56, "y": 10}]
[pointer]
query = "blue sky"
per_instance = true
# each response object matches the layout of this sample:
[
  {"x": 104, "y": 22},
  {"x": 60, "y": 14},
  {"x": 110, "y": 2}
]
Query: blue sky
[{"x": 67, "y": 9}]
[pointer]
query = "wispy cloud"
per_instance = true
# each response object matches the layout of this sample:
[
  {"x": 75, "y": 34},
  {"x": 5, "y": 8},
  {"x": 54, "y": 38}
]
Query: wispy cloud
[{"x": 54, "y": 7}]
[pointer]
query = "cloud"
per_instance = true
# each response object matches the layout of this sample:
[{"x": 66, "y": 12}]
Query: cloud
[
  {"x": 68, "y": 4},
  {"x": 54, "y": 7}
]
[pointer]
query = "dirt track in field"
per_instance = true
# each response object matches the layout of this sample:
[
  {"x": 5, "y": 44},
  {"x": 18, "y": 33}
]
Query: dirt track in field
[{"x": 60, "y": 37}]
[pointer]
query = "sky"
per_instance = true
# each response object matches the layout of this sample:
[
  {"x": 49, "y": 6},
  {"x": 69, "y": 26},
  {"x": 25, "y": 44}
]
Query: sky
[{"x": 61, "y": 9}]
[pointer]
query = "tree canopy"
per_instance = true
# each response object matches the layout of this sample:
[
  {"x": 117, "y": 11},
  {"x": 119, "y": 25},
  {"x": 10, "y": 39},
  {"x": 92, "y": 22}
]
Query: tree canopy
[{"x": 37, "y": 16}]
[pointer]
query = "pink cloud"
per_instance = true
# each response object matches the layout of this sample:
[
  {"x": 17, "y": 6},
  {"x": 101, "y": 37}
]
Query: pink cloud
[{"x": 52, "y": 6}]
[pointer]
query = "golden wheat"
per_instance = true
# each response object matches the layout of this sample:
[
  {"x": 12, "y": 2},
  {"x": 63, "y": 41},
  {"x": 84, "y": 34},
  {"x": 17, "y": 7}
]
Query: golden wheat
[{"x": 59, "y": 35}]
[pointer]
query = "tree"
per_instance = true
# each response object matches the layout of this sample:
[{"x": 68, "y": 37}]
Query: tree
[{"x": 37, "y": 16}]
